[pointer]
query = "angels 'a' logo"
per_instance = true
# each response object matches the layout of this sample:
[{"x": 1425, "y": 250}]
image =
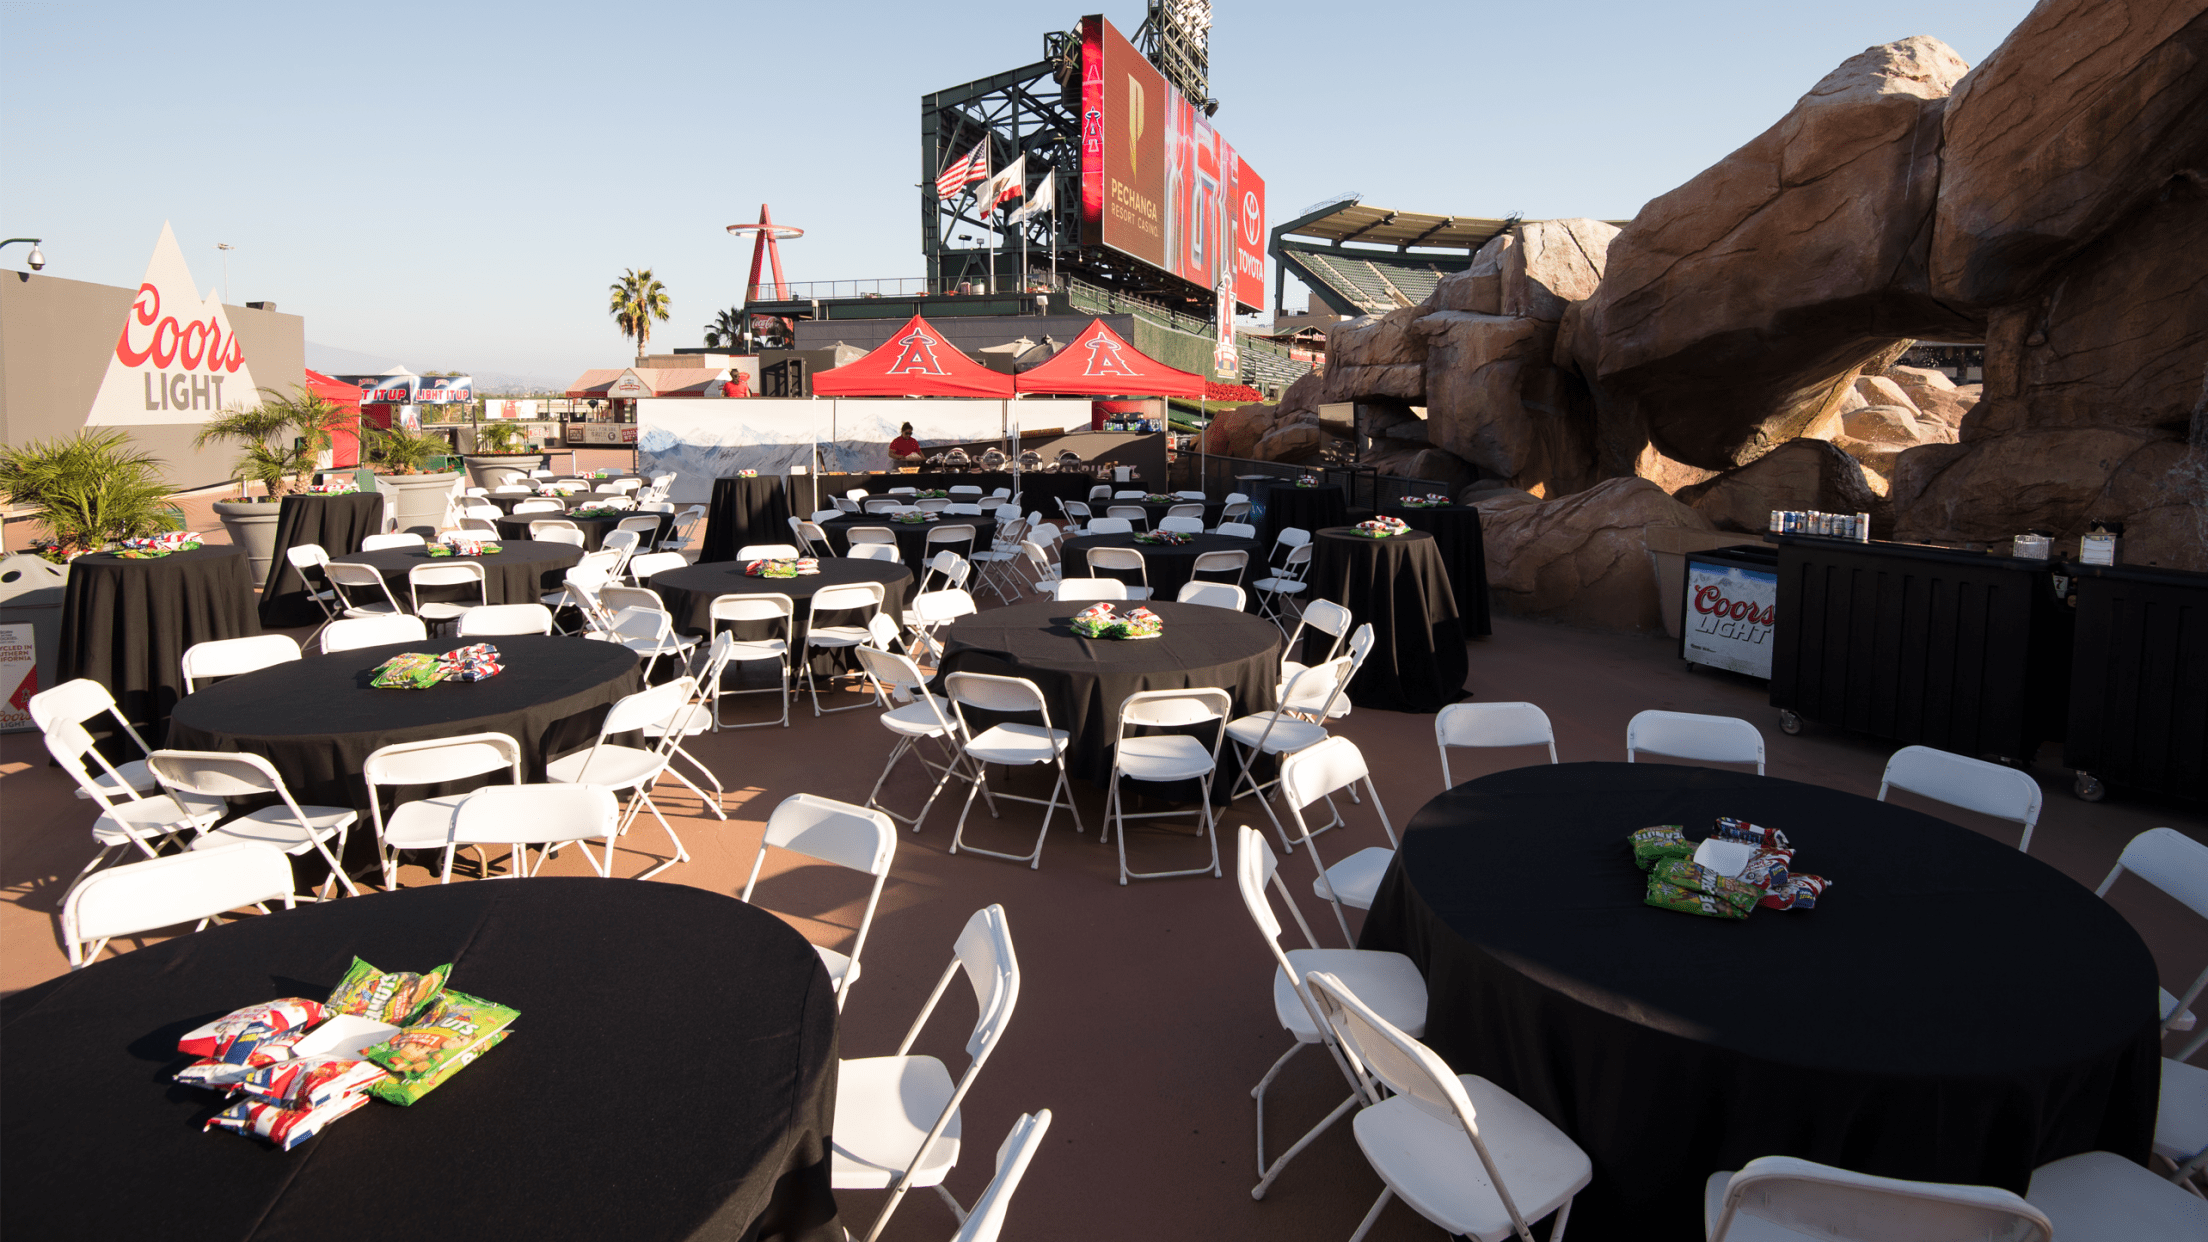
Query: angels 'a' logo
[
  {"x": 916, "y": 355},
  {"x": 1105, "y": 359}
]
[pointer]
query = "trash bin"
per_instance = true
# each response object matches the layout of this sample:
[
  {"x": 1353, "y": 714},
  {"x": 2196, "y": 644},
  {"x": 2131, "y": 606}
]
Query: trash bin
[
  {"x": 1728, "y": 605},
  {"x": 2138, "y": 680},
  {"x": 31, "y": 589}
]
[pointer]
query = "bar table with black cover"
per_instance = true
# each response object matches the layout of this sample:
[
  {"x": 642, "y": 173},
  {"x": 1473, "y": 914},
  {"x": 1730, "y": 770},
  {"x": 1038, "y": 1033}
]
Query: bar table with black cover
[
  {"x": 726, "y": 1139},
  {"x": 2138, "y": 680},
  {"x": 1456, "y": 532},
  {"x": 745, "y": 511},
  {"x": 1306, "y": 508},
  {"x": 126, "y": 622},
  {"x": 1953, "y": 1009},
  {"x": 1400, "y": 586},
  {"x": 1956, "y": 650},
  {"x": 336, "y": 524}
]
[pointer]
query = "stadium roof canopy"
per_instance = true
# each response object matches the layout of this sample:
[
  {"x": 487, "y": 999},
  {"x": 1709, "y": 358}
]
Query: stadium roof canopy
[
  {"x": 1359, "y": 259},
  {"x": 1348, "y": 220}
]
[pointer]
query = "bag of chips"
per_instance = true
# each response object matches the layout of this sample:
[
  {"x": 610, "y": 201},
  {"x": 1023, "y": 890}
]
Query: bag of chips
[
  {"x": 1672, "y": 897},
  {"x": 285, "y": 1127},
  {"x": 270, "y": 1017},
  {"x": 412, "y": 670},
  {"x": 240, "y": 1058},
  {"x": 1699, "y": 879},
  {"x": 402, "y": 1091},
  {"x": 1800, "y": 893},
  {"x": 1651, "y": 845},
  {"x": 310, "y": 1082},
  {"x": 455, "y": 1025},
  {"x": 1754, "y": 834},
  {"x": 393, "y": 997}
]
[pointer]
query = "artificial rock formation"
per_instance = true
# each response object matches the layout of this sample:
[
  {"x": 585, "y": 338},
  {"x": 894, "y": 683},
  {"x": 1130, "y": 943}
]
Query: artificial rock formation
[
  {"x": 1583, "y": 558},
  {"x": 1800, "y": 474},
  {"x": 1494, "y": 399}
]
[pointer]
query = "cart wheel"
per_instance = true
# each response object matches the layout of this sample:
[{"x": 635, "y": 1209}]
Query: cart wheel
[
  {"x": 1789, "y": 722},
  {"x": 2089, "y": 788}
]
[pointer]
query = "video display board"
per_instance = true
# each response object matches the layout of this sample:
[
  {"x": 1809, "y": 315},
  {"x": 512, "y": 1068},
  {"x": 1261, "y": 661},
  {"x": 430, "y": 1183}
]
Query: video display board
[{"x": 1158, "y": 183}]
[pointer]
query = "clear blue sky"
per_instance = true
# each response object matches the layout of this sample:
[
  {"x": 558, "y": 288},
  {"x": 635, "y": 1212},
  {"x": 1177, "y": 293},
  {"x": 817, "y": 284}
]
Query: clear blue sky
[{"x": 454, "y": 185}]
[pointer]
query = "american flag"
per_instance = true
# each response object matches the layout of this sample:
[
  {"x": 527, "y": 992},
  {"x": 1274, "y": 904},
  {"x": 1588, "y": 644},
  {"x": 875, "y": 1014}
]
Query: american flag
[{"x": 965, "y": 172}]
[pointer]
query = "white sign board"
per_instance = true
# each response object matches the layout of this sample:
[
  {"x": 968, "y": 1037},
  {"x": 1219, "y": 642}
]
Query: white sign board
[
  {"x": 176, "y": 359},
  {"x": 1730, "y": 611},
  {"x": 18, "y": 676}
]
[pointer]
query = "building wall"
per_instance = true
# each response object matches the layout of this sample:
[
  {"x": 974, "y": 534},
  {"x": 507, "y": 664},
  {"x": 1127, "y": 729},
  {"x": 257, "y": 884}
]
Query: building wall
[{"x": 56, "y": 337}]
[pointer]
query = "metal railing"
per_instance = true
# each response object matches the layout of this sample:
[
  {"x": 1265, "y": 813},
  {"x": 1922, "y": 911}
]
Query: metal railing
[
  {"x": 1363, "y": 487},
  {"x": 879, "y": 287}
]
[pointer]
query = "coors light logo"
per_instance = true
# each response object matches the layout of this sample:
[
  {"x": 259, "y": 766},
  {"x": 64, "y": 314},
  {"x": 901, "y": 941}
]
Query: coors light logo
[{"x": 176, "y": 359}]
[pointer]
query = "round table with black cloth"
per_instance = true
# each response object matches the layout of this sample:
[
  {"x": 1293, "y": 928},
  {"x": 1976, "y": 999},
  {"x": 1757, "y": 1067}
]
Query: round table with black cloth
[
  {"x": 336, "y": 524},
  {"x": 1307, "y": 508},
  {"x": 1953, "y": 1010},
  {"x": 125, "y": 624},
  {"x": 520, "y": 572},
  {"x": 912, "y": 537},
  {"x": 1086, "y": 679},
  {"x": 725, "y": 1136},
  {"x": 1167, "y": 566},
  {"x": 573, "y": 500},
  {"x": 689, "y": 592},
  {"x": 745, "y": 511},
  {"x": 1400, "y": 585},
  {"x": 595, "y": 529},
  {"x": 1456, "y": 532},
  {"x": 1155, "y": 513}
]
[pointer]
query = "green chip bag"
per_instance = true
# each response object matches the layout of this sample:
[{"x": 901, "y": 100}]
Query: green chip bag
[
  {"x": 412, "y": 670},
  {"x": 1651, "y": 845},
  {"x": 403, "y": 1091},
  {"x": 390, "y": 998},
  {"x": 452, "y": 1031},
  {"x": 1696, "y": 878},
  {"x": 1672, "y": 897}
]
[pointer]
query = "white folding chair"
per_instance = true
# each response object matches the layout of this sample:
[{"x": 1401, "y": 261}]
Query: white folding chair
[
  {"x": 2177, "y": 865},
  {"x": 624, "y": 542},
  {"x": 1081, "y": 590},
  {"x": 1234, "y": 563},
  {"x": 919, "y": 717},
  {"x": 396, "y": 539},
  {"x": 1488, "y": 724},
  {"x": 1212, "y": 594},
  {"x": 1389, "y": 980},
  {"x": 460, "y": 573},
  {"x": 1460, "y": 1151},
  {"x": 986, "y": 1221},
  {"x": 2099, "y": 1194},
  {"x": 193, "y": 887},
  {"x": 1190, "y": 494},
  {"x": 1787, "y": 1199},
  {"x": 1318, "y": 772},
  {"x": 637, "y": 619},
  {"x": 1102, "y": 560},
  {"x": 864, "y": 597},
  {"x": 1166, "y": 758},
  {"x": 1038, "y": 559},
  {"x": 897, "y": 1123},
  {"x": 526, "y": 507},
  {"x": 839, "y": 833},
  {"x": 885, "y": 505},
  {"x": 957, "y": 537},
  {"x": 1325, "y": 616},
  {"x": 556, "y": 530},
  {"x": 695, "y": 719},
  {"x": 932, "y": 504},
  {"x": 875, "y": 552},
  {"x": 1108, "y": 526},
  {"x": 1185, "y": 525},
  {"x": 307, "y": 560},
  {"x": 1286, "y": 729},
  {"x": 353, "y": 633},
  {"x": 1972, "y": 784},
  {"x": 1284, "y": 583},
  {"x": 1077, "y": 514},
  {"x": 229, "y": 657},
  {"x": 869, "y": 534},
  {"x": 358, "y": 587},
  {"x": 486, "y": 527},
  {"x": 768, "y": 552},
  {"x": 931, "y": 612},
  {"x": 77, "y": 701},
  {"x": 943, "y": 569},
  {"x": 1136, "y": 517},
  {"x": 494, "y": 620},
  {"x": 683, "y": 528},
  {"x": 288, "y": 826},
  {"x": 1688, "y": 735},
  {"x": 579, "y": 591},
  {"x": 964, "y": 489},
  {"x": 1237, "y": 530},
  {"x": 149, "y": 820},
  {"x": 548, "y": 816},
  {"x": 631, "y": 768},
  {"x": 771, "y": 608},
  {"x": 646, "y": 530},
  {"x": 1011, "y": 744},
  {"x": 641, "y": 568},
  {"x": 426, "y": 823}
]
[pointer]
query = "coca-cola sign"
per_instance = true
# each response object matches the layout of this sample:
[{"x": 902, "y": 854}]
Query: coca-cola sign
[{"x": 176, "y": 359}]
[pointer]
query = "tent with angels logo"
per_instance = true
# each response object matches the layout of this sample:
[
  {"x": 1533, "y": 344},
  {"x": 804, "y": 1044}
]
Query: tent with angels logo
[
  {"x": 1100, "y": 364},
  {"x": 916, "y": 361}
]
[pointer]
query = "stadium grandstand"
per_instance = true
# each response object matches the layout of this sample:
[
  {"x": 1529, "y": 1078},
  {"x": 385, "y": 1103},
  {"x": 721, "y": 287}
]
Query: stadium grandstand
[{"x": 1363, "y": 260}]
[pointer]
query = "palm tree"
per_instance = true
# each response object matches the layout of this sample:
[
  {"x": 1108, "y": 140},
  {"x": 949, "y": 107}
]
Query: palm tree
[
  {"x": 637, "y": 300},
  {"x": 283, "y": 436},
  {"x": 726, "y": 330}
]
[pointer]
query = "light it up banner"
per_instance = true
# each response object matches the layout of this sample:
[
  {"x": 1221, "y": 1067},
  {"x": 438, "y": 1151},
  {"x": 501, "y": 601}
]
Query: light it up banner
[{"x": 175, "y": 358}]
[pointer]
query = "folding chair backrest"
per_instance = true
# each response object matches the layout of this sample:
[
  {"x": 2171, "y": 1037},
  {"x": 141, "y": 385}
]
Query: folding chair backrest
[
  {"x": 990, "y": 693},
  {"x": 1240, "y": 530},
  {"x": 641, "y": 527},
  {"x": 524, "y": 507},
  {"x": 214, "y": 774},
  {"x": 949, "y": 604},
  {"x": 1173, "y": 709},
  {"x": 528, "y": 814},
  {"x": 615, "y": 598},
  {"x": 306, "y": 556},
  {"x": 442, "y": 759},
  {"x": 1117, "y": 558},
  {"x": 352, "y": 633},
  {"x": 602, "y": 563},
  {"x": 1314, "y": 689},
  {"x": 767, "y": 552},
  {"x": 1687, "y": 735},
  {"x": 643, "y": 567},
  {"x": 1235, "y": 562},
  {"x": 397, "y": 539},
  {"x": 767, "y": 606},
  {"x": 1109, "y": 526},
  {"x": 1186, "y": 525},
  {"x": 1254, "y": 868},
  {"x": 901, "y": 675},
  {"x": 870, "y": 534},
  {"x": 1490, "y": 724},
  {"x": 179, "y": 888},
  {"x": 71, "y": 744},
  {"x": 984, "y": 951},
  {"x": 647, "y": 707},
  {"x": 1327, "y": 617},
  {"x": 1213, "y": 595},
  {"x": 884, "y": 552},
  {"x": 1973, "y": 784},
  {"x": 831, "y": 831},
  {"x": 556, "y": 532},
  {"x": 619, "y": 540},
  {"x": 2169, "y": 860},
  {"x": 74, "y": 701},
  {"x": 1190, "y": 510},
  {"x": 445, "y": 575},
  {"x": 1294, "y": 536},
  {"x": 848, "y": 595},
  {"x": 1133, "y": 513},
  {"x": 228, "y": 657},
  {"x": 1316, "y": 771},
  {"x": 1818, "y": 1200},
  {"x": 961, "y": 533},
  {"x": 1079, "y": 589}
]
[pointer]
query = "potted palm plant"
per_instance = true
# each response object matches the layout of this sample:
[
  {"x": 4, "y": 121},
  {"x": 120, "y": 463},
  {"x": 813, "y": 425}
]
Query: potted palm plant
[
  {"x": 414, "y": 494},
  {"x": 281, "y": 441},
  {"x": 87, "y": 490},
  {"x": 502, "y": 453}
]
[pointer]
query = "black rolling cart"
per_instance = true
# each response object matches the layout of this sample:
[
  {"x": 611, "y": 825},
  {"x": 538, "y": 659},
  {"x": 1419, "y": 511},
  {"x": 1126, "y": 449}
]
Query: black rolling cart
[{"x": 2138, "y": 716}]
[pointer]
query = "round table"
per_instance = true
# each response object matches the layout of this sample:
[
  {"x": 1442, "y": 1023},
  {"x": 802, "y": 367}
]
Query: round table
[
  {"x": 1399, "y": 585},
  {"x": 1166, "y": 566},
  {"x": 1953, "y": 1010},
  {"x": 1456, "y": 532},
  {"x": 1086, "y": 679},
  {"x": 595, "y": 529},
  {"x": 1310, "y": 508},
  {"x": 1155, "y": 513},
  {"x": 728, "y": 1140},
  {"x": 316, "y": 719},
  {"x": 520, "y": 572},
  {"x": 336, "y": 524},
  {"x": 125, "y": 624},
  {"x": 912, "y": 537},
  {"x": 573, "y": 500},
  {"x": 745, "y": 511}
]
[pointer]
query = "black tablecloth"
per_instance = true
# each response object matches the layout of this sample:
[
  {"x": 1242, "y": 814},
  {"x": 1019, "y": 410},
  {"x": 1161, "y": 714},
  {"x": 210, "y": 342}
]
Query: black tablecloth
[
  {"x": 317, "y": 719},
  {"x": 595, "y": 529},
  {"x": 1456, "y": 532},
  {"x": 1953, "y": 1010},
  {"x": 1309, "y": 508},
  {"x": 126, "y": 623},
  {"x": 337, "y": 524},
  {"x": 1154, "y": 513},
  {"x": 689, "y": 594},
  {"x": 745, "y": 511},
  {"x": 1400, "y": 585},
  {"x": 720, "y": 1130},
  {"x": 573, "y": 500},
  {"x": 1086, "y": 679},
  {"x": 1168, "y": 566},
  {"x": 912, "y": 537},
  {"x": 520, "y": 572}
]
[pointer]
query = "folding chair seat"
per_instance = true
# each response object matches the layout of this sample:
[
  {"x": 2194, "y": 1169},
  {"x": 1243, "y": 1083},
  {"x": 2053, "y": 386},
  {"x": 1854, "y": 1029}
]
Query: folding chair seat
[
  {"x": 1011, "y": 744},
  {"x": 1687, "y": 735},
  {"x": 162, "y": 892},
  {"x": 2099, "y": 1194},
  {"x": 847, "y": 836},
  {"x": 426, "y": 823},
  {"x": 769, "y": 608},
  {"x": 287, "y": 826},
  {"x": 1166, "y": 758},
  {"x": 631, "y": 768},
  {"x": 1972, "y": 784},
  {"x": 353, "y": 633},
  {"x": 1787, "y": 1199},
  {"x": 230, "y": 657}
]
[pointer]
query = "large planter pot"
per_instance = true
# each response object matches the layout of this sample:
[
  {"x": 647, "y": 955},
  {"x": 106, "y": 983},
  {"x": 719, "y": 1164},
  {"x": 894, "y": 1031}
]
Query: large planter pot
[
  {"x": 252, "y": 526},
  {"x": 416, "y": 501},
  {"x": 498, "y": 469}
]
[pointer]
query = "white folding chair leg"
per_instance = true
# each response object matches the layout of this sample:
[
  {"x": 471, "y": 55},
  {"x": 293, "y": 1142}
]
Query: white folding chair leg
[
  {"x": 639, "y": 799},
  {"x": 1034, "y": 859},
  {"x": 911, "y": 746},
  {"x": 1268, "y": 1173},
  {"x": 712, "y": 804}
]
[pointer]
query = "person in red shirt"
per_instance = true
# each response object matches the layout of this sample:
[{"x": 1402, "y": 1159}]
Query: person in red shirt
[{"x": 904, "y": 447}]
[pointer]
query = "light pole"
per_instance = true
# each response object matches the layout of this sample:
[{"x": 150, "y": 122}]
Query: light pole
[
  {"x": 225, "y": 248},
  {"x": 38, "y": 257}
]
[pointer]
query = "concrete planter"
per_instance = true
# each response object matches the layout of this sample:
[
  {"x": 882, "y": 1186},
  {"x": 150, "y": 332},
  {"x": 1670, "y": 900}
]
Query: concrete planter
[
  {"x": 416, "y": 501},
  {"x": 252, "y": 526},
  {"x": 498, "y": 469}
]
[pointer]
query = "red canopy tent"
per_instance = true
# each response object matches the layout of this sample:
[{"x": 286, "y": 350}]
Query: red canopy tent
[
  {"x": 1100, "y": 364},
  {"x": 916, "y": 361},
  {"x": 345, "y": 440}
]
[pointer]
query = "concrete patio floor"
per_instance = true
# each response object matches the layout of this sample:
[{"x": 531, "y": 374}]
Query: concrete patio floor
[{"x": 1145, "y": 1015}]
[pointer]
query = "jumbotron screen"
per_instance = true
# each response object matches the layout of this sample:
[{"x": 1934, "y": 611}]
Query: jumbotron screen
[{"x": 1158, "y": 183}]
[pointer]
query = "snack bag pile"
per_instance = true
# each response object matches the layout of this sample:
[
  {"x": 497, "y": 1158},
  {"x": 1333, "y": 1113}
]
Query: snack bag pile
[
  {"x": 1309, "y": 480},
  {"x": 293, "y": 1066},
  {"x": 469, "y": 663},
  {"x": 1162, "y": 498},
  {"x": 912, "y": 519},
  {"x": 597, "y": 511},
  {"x": 1737, "y": 868},
  {"x": 339, "y": 487},
  {"x": 1383, "y": 527},
  {"x": 1171, "y": 538},
  {"x": 747, "y": 474},
  {"x": 456, "y": 544},
  {"x": 1431, "y": 500},
  {"x": 1100, "y": 621},
  {"x": 415, "y": 670},
  {"x": 149, "y": 547},
  {"x": 774, "y": 569}
]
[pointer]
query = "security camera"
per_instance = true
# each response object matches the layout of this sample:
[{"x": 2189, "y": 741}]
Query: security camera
[{"x": 38, "y": 259}]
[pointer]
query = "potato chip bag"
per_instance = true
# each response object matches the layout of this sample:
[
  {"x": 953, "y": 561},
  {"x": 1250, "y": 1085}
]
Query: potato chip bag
[
  {"x": 453, "y": 1024},
  {"x": 285, "y": 1127},
  {"x": 260, "y": 1021},
  {"x": 240, "y": 1057},
  {"x": 402, "y": 1091},
  {"x": 1672, "y": 897},
  {"x": 1696, "y": 878},
  {"x": 1663, "y": 841},
  {"x": 394, "y": 997},
  {"x": 310, "y": 1082}
]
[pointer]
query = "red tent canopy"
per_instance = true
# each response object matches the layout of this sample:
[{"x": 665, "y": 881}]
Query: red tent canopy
[
  {"x": 1100, "y": 364},
  {"x": 914, "y": 362},
  {"x": 335, "y": 391},
  {"x": 345, "y": 440}
]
